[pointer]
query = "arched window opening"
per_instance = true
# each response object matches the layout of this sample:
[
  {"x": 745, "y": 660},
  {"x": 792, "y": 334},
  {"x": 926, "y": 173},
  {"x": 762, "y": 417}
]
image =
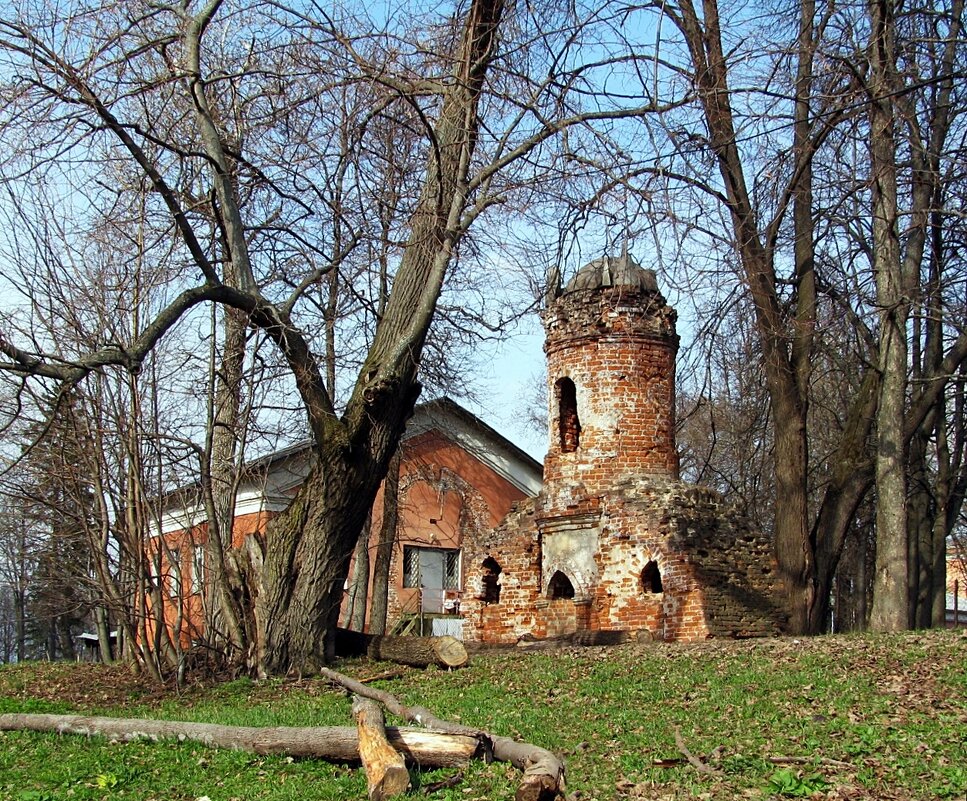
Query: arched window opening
[
  {"x": 568, "y": 422},
  {"x": 491, "y": 581},
  {"x": 560, "y": 587},
  {"x": 651, "y": 578}
]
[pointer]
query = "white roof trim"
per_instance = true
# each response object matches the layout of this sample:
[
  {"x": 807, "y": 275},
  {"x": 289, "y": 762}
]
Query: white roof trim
[{"x": 250, "y": 501}]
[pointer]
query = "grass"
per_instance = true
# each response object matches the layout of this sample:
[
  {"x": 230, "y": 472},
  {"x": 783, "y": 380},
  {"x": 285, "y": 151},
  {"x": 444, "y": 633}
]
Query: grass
[{"x": 838, "y": 717}]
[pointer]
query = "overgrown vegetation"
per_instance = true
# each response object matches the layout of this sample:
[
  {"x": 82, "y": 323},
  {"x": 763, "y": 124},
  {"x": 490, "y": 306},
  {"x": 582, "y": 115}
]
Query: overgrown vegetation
[{"x": 837, "y": 718}]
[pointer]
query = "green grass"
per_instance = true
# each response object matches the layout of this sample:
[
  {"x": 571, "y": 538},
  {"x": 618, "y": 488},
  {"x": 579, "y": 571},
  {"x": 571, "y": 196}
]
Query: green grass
[{"x": 837, "y": 718}]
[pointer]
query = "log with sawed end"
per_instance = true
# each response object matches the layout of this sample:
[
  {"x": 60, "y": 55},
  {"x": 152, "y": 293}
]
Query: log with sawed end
[
  {"x": 445, "y": 651},
  {"x": 386, "y": 773},
  {"x": 543, "y": 771}
]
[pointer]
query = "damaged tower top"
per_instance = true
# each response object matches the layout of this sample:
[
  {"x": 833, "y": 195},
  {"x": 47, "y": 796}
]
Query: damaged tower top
[{"x": 611, "y": 347}]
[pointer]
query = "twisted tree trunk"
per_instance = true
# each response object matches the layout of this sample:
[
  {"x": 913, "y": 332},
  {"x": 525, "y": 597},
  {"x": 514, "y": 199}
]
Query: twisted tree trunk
[{"x": 308, "y": 548}]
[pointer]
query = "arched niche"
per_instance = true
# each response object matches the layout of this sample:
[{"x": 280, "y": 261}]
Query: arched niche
[
  {"x": 569, "y": 425},
  {"x": 651, "y": 579},
  {"x": 560, "y": 587},
  {"x": 491, "y": 581}
]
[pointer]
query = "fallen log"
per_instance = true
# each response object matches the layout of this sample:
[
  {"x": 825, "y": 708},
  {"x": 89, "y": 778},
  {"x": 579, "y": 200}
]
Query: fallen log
[
  {"x": 386, "y": 773},
  {"x": 577, "y": 638},
  {"x": 332, "y": 743},
  {"x": 416, "y": 651},
  {"x": 543, "y": 771}
]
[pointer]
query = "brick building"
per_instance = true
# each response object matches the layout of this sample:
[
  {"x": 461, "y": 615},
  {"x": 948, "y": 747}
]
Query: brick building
[
  {"x": 458, "y": 479},
  {"x": 611, "y": 540}
]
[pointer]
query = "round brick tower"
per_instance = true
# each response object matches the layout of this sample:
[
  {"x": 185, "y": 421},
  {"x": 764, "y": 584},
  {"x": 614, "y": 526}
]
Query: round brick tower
[{"x": 611, "y": 347}]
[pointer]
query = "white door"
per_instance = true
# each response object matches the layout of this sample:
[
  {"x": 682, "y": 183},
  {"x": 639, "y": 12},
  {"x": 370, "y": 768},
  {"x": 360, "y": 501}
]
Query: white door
[{"x": 432, "y": 569}]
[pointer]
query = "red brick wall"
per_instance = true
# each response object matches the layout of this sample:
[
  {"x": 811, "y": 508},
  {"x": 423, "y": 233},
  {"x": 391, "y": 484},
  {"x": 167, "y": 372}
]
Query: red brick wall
[
  {"x": 717, "y": 571},
  {"x": 515, "y": 546},
  {"x": 185, "y": 612},
  {"x": 440, "y": 481},
  {"x": 619, "y": 350}
]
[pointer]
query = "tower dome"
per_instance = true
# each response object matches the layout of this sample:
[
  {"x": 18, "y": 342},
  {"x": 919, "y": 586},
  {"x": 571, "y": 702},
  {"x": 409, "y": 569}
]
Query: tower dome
[
  {"x": 608, "y": 271},
  {"x": 611, "y": 347}
]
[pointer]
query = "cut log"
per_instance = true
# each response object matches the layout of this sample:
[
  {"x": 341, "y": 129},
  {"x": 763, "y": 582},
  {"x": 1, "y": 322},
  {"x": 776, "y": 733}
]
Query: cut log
[
  {"x": 417, "y": 651},
  {"x": 333, "y": 743},
  {"x": 543, "y": 771},
  {"x": 386, "y": 773}
]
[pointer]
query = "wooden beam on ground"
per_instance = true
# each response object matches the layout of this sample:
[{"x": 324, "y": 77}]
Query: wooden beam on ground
[
  {"x": 386, "y": 773},
  {"x": 333, "y": 743},
  {"x": 543, "y": 771}
]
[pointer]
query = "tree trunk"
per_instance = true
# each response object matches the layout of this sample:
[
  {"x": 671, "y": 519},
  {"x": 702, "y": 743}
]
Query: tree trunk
[
  {"x": 417, "y": 651},
  {"x": 794, "y": 548},
  {"x": 103, "y": 634},
  {"x": 386, "y": 773},
  {"x": 307, "y": 553},
  {"x": 938, "y": 599},
  {"x": 890, "y": 594},
  {"x": 919, "y": 528},
  {"x": 851, "y": 480},
  {"x": 65, "y": 638},
  {"x": 340, "y": 744},
  {"x": 786, "y": 366},
  {"x": 359, "y": 583},
  {"x": 384, "y": 548},
  {"x": 20, "y": 623},
  {"x": 308, "y": 547},
  {"x": 225, "y": 615}
]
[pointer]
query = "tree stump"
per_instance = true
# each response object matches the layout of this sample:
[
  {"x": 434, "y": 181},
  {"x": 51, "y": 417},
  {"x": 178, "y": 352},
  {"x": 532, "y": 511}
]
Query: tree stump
[{"x": 386, "y": 773}]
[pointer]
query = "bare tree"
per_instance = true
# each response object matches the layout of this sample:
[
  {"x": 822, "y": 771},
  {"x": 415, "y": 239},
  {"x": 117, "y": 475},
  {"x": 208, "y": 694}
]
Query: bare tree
[
  {"x": 786, "y": 119},
  {"x": 226, "y": 145},
  {"x": 17, "y": 567}
]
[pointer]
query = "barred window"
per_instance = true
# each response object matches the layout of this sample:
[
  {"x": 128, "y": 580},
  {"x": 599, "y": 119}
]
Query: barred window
[
  {"x": 451, "y": 570},
  {"x": 411, "y": 566},
  {"x": 174, "y": 577},
  {"x": 431, "y": 568},
  {"x": 198, "y": 569}
]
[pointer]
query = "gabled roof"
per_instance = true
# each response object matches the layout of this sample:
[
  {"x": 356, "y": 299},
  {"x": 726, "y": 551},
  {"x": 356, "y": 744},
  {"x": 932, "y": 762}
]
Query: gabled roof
[
  {"x": 479, "y": 440},
  {"x": 269, "y": 480}
]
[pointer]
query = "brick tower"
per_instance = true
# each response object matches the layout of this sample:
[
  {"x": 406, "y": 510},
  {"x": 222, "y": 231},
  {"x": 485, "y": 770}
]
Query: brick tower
[
  {"x": 611, "y": 347},
  {"x": 615, "y": 543}
]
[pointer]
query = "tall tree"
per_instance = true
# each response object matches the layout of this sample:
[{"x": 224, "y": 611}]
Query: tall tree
[
  {"x": 246, "y": 206},
  {"x": 802, "y": 230},
  {"x": 893, "y": 292}
]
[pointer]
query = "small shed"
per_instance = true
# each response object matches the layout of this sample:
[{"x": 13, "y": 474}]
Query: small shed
[{"x": 90, "y": 650}]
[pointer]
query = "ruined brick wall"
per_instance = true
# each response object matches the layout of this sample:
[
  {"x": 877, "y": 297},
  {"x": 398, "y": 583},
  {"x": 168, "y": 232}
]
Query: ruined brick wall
[
  {"x": 515, "y": 547},
  {"x": 716, "y": 572},
  {"x": 617, "y": 346}
]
